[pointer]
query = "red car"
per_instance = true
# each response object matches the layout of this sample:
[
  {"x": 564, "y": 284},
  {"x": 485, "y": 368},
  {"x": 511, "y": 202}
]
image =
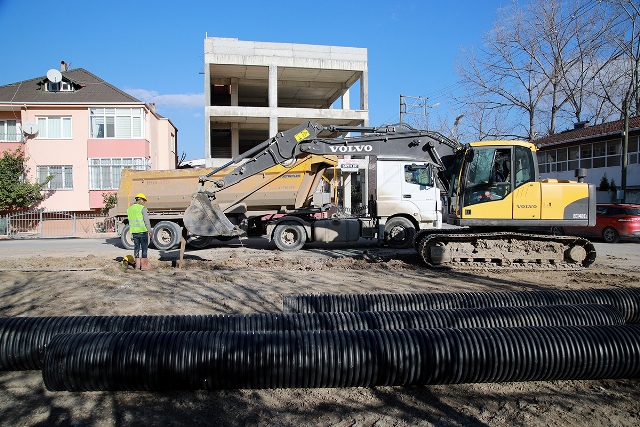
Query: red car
[{"x": 613, "y": 221}]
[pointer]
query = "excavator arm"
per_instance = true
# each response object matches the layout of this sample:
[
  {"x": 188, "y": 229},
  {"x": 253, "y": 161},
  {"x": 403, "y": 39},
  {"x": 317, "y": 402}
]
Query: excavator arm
[{"x": 205, "y": 218}]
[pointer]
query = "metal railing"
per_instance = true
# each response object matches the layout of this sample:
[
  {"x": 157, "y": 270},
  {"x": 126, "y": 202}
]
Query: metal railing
[{"x": 44, "y": 224}]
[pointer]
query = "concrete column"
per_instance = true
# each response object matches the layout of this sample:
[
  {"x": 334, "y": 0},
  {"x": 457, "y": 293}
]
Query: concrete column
[
  {"x": 345, "y": 101},
  {"x": 364, "y": 94},
  {"x": 273, "y": 86},
  {"x": 347, "y": 192},
  {"x": 273, "y": 126},
  {"x": 273, "y": 100},
  {"x": 234, "y": 92},
  {"x": 235, "y": 140},
  {"x": 207, "y": 118}
]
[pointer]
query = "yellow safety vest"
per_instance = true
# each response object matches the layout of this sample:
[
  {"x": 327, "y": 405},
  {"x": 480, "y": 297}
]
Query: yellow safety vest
[{"x": 136, "y": 220}]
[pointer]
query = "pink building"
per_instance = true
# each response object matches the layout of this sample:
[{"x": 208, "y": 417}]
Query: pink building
[{"x": 82, "y": 130}]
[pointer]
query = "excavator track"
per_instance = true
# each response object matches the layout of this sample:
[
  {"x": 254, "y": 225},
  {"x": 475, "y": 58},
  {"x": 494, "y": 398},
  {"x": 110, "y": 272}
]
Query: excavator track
[{"x": 503, "y": 250}]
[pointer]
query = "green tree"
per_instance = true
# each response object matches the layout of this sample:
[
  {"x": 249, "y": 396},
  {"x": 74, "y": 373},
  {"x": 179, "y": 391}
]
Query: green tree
[
  {"x": 604, "y": 183},
  {"x": 110, "y": 200},
  {"x": 16, "y": 192}
]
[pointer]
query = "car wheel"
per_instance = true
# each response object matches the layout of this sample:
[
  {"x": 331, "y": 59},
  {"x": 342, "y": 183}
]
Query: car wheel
[
  {"x": 166, "y": 235},
  {"x": 399, "y": 233},
  {"x": 126, "y": 238},
  {"x": 610, "y": 235},
  {"x": 289, "y": 236}
]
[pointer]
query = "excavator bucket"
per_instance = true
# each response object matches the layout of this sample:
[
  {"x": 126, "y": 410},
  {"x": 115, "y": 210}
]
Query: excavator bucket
[{"x": 205, "y": 218}]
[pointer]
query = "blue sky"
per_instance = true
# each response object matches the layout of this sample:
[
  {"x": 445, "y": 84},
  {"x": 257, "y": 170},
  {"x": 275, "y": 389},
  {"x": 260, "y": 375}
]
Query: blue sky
[{"x": 154, "y": 49}]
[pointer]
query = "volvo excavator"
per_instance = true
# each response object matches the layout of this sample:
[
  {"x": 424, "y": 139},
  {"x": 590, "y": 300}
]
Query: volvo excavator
[{"x": 491, "y": 189}]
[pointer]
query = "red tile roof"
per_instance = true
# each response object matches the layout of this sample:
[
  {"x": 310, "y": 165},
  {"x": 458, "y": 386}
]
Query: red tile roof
[{"x": 589, "y": 132}]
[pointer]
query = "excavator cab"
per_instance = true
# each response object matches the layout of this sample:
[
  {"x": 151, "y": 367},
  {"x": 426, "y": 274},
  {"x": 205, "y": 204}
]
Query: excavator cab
[{"x": 485, "y": 180}]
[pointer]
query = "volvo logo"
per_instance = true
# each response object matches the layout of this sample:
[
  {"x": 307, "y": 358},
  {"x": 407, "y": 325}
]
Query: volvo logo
[
  {"x": 351, "y": 148},
  {"x": 527, "y": 206}
]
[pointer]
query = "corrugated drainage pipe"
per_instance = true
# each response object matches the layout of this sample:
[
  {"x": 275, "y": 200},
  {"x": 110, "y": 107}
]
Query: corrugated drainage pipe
[
  {"x": 241, "y": 360},
  {"x": 626, "y": 300},
  {"x": 23, "y": 339}
]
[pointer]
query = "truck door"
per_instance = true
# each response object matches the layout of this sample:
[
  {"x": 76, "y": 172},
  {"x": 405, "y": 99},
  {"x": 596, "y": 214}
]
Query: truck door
[
  {"x": 419, "y": 189},
  {"x": 405, "y": 187}
]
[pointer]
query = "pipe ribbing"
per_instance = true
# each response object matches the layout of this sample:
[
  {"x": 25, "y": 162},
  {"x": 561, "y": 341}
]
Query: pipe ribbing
[
  {"x": 626, "y": 300},
  {"x": 23, "y": 339},
  {"x": 228, "y": 360}
]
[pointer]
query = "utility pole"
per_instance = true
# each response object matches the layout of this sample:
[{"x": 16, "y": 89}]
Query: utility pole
[{"x": 414, "y": 105}]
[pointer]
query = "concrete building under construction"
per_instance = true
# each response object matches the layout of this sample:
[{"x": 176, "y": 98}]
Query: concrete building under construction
[{"x": 255, "y": 89}]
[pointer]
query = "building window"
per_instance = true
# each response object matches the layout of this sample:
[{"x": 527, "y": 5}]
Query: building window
[
  {"x": 599, "y": 151},
  {"x": 116, "y": 123},
  {"x": 633, "y": 152},
  {"x": 54, "y": 127},
  {"x": 59, "y": 87},
  {"x": 613, "y": 153},
  {"x": 10, "y": 131},
  {"x": 104, "y": 174},
  {"x": 62, "y": 177}
]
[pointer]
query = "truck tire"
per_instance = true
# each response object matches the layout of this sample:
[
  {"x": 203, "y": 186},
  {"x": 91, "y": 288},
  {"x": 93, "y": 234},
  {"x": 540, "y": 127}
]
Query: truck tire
[
  {"x": 166, "y": 235},
  {"x": 199, "y": 242},
  {"x": 289, "y": 236},
  {"x": 399, "y": 233},
  {"x": 126, "y": 239}
]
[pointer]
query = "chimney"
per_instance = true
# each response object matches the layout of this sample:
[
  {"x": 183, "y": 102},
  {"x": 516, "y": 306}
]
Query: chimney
[
  {"x": 63, "y": 66},
  {"x": 152, "y": 106},
  {"x": 581, "y": 125}
]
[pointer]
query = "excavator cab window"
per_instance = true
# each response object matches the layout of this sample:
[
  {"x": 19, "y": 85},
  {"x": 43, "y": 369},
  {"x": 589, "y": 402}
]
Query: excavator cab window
[
  {"x": 488, "y": 176},
  {"x": 525, "y": 168}
]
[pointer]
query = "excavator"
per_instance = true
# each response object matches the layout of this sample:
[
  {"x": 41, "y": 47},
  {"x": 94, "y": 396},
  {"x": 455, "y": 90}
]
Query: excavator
[{"x": 490, "y": 189}]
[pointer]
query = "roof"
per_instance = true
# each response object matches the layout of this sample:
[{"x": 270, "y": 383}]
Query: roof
[
  {"x": 88, "y": 89},
  {"x": 588, "y": 132}
]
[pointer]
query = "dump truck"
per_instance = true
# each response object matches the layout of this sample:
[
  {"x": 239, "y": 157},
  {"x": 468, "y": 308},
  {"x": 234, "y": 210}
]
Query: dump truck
[
  {"x": 492, "y": 189},
  {"x": 169, "y": 192},
  {"x": 287, "y": 193}
]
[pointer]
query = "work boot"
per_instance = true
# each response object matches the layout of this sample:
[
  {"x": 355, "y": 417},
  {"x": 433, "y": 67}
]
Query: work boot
[
  {"x": 138, "y": 264},
  {"x": 145, "y": 264}
]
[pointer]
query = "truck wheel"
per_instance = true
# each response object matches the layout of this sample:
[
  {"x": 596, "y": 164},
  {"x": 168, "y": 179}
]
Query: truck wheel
[
  {"x": 126, "y": 239},
  {"x": 610, "y": 235},
  {"x": 399, "y": 233},
  {"x": 289, "y": 236},
  {"x": 166, "y": 235},
  {"x": 198, "y": 242}
]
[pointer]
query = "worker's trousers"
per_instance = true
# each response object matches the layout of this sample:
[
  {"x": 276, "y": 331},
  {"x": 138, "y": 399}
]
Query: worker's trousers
[{"x": 140, "y": 241}]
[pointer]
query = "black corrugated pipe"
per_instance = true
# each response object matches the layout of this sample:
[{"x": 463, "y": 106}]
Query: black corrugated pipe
[
  {"x": 626, "y": 300},
  {"x": 229, "y": 360},
  {"x": 23, "y": 339}
]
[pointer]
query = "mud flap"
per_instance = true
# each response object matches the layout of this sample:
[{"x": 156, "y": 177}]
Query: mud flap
[{"x": 205, "y": 218}]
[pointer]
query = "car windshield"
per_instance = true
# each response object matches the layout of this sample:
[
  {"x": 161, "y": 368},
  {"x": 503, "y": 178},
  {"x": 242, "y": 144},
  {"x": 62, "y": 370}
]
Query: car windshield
[{"x": 632, "y": 211}]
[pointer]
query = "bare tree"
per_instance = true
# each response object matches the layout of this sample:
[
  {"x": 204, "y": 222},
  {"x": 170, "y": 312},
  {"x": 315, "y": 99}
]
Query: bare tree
[
  {"x": 574, "y": 51},
  {"x": 540, "y": 63},
  {"x": 506, "y": 76}
]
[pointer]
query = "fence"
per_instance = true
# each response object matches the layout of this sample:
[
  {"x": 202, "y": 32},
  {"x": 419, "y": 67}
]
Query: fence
[{"x": 43, "y": 224}]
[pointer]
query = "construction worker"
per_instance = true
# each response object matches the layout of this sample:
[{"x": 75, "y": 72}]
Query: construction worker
[{"x": 140, "y": 229}]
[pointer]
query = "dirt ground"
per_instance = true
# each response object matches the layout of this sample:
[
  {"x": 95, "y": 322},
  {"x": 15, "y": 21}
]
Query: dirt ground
[{"x": 245, "y": 280}]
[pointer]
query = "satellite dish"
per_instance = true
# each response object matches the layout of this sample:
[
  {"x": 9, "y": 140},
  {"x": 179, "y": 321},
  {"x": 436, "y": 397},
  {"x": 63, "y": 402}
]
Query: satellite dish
[
  {"x": 30, "y": 128},
  {"x": 54, "y": 76}
]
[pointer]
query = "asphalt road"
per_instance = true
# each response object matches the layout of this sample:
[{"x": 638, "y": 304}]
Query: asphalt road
[{"x": 110, "y": 247}]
